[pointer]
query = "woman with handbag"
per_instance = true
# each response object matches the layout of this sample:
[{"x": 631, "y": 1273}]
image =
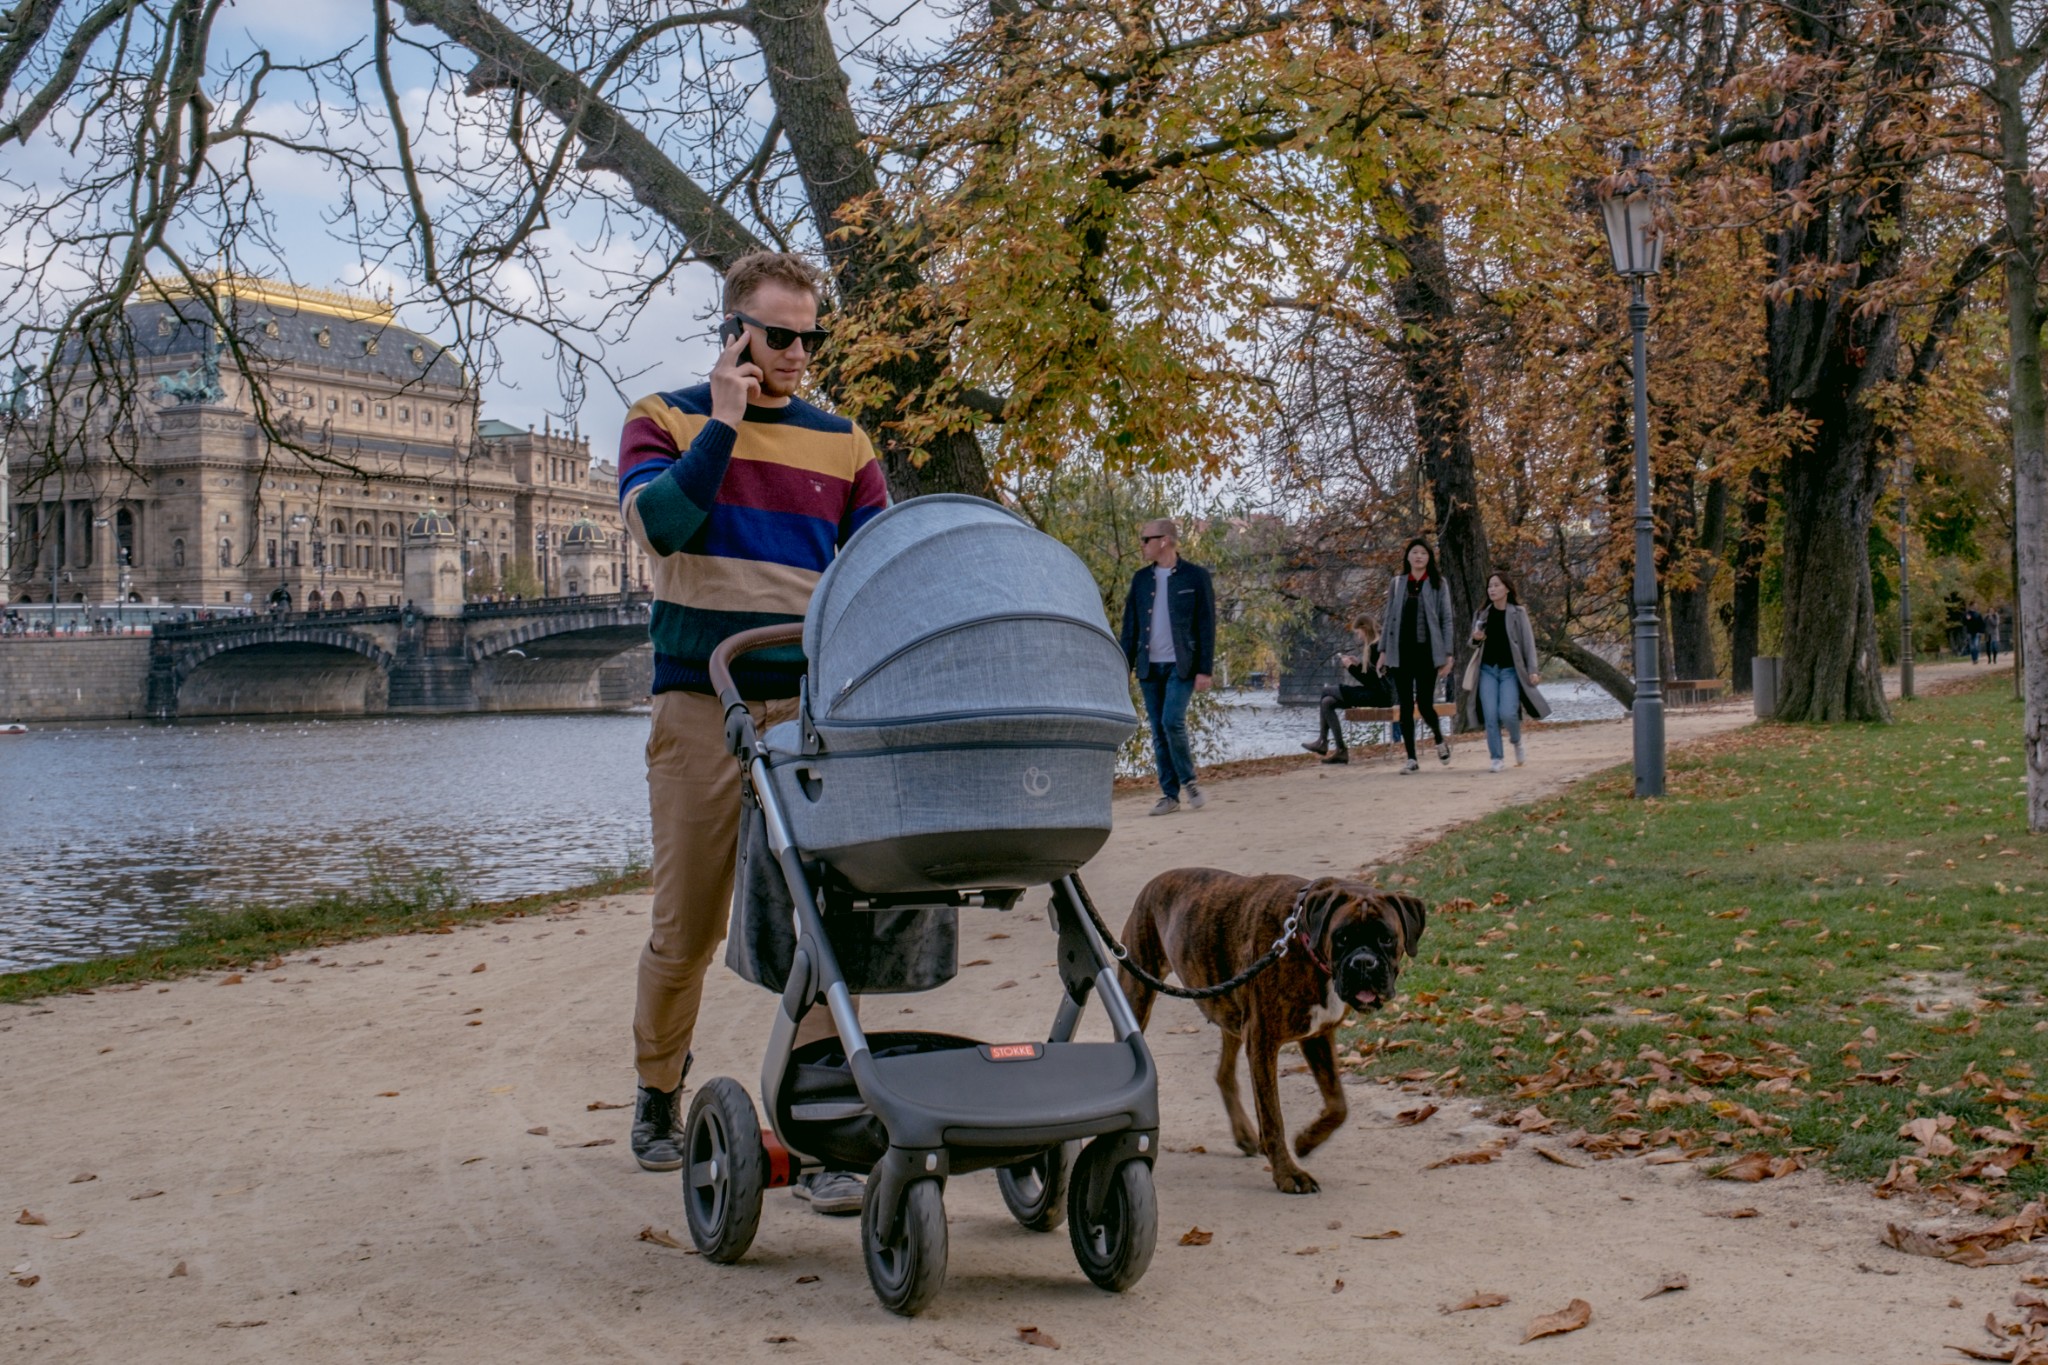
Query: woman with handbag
[
  {"x": 1416, "y": 644},
  {"x": 1367, "y": 687},
  {"x": 1501, "y": 677}
]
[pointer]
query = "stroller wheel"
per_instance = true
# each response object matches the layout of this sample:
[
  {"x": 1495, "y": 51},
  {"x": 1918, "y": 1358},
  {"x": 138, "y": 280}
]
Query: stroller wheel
[
  {"x": 1036, "y": 1190},
  {"x": 908, "y": 1271},
  {"x": 723, "y": 1171},
  {"x": 1113, "y": 1243}
]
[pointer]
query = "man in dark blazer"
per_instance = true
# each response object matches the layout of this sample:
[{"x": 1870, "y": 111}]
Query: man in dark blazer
[{"x": 1169, "y": 637}]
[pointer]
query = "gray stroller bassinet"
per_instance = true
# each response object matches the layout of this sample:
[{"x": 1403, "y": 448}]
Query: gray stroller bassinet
[{"x": 963, "y": 709}]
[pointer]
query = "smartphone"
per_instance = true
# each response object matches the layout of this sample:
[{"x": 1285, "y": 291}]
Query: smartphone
[{"x": 729, "y": 331}]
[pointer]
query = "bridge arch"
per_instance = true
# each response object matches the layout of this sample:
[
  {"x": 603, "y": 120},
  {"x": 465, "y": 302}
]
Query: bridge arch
[{"x": 271, "y": 669}]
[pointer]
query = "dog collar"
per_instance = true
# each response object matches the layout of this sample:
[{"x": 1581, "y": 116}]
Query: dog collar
[
  {"x": 1293, "y": 930},
  {"x": 1301, "y": 937}
]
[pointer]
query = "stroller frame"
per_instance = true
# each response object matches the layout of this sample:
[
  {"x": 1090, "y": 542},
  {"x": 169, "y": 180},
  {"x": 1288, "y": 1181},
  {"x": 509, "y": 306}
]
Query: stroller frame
[{"x": 944, "y": 1105}]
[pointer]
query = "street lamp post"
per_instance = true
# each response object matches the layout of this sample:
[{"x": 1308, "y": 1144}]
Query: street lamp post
[
  {"x": 1632, "y": 212},
  {"x": 540, "y": 541}
]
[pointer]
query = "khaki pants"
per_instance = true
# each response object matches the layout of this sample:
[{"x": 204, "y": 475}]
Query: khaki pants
[{"x": 693, "y": 794}]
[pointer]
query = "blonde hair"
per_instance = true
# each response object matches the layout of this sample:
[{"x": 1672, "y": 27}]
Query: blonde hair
[
  {"x": 1366, "y": 624},
  {"x": 757, "y": 268}
]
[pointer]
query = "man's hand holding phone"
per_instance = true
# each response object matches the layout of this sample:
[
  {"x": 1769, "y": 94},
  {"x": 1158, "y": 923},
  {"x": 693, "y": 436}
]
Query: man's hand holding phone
[{"x": 735, "y": 379}]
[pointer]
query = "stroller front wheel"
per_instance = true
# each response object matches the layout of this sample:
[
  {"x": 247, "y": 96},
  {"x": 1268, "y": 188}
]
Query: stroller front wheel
[
  {"x": 908, "y": 1271},
  {"x": 1113, "y": 1243},
  {"x": 1035, "y": 1191},
  {"x": 723, "y": 1171}
]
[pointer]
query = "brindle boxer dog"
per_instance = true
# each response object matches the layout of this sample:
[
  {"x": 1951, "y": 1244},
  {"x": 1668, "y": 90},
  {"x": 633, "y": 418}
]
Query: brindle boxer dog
[{"x": 1206, "y": 926}]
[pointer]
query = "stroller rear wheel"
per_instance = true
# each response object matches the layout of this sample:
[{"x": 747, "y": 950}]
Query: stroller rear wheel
[
  {"x": 907, "y": 1271},
  {"x": 724, "y": 1171},
  {"x": 1036, "y": 1190},
  {"x": 1112, "y": 1242}
]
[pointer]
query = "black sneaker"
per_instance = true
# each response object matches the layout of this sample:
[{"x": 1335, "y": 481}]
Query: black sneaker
[{"x": 657, "y": 1121}]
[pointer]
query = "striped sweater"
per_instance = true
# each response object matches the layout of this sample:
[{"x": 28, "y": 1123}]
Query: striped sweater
[{"x": 739, "y": 525}]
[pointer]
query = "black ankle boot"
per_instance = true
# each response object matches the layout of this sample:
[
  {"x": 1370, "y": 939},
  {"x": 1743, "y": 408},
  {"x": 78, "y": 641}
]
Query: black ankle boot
[{"x": 1320, "y": 746}]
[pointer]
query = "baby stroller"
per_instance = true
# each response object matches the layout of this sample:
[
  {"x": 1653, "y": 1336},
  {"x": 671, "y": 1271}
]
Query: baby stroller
[{"x": 955, "y": 744}]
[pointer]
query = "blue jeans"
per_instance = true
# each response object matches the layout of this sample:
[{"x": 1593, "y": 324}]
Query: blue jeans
[
  {"x": 1166, "y": 707},
  {"x": 1500, "y": 698}
]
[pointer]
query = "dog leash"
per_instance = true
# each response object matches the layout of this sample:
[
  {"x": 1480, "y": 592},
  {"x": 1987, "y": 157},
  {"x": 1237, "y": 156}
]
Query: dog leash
[{"x": 1289, "y": 931}]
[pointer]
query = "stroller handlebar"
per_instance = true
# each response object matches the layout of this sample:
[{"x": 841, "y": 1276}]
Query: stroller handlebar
[{"x": 730, "y": 648}]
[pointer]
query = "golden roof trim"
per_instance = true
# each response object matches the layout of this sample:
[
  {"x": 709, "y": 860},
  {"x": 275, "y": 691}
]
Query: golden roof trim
[{"x": 282, "y": 294}]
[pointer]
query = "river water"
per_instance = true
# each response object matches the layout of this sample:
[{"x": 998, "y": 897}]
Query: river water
[{"x": 108, "y": 832}]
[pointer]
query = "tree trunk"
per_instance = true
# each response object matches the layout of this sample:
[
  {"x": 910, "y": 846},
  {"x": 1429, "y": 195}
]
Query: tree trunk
[
  {"x": 2026, "y": 402},
  {"x": 1692, "y": 613},
  {"x": 1746, "y": 563},
  {"x": 1612, "y": 680},
  {"x": 1432, "y": 354}
]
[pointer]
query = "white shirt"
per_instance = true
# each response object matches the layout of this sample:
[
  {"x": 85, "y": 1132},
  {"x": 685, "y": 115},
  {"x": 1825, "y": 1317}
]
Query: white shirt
[{"x": 1160, "y": 650}]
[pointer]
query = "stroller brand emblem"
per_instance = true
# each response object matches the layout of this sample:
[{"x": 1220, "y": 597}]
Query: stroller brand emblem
[
  {"x": 1013, "y": 1052},
  {"x": 1037, "y": 781}
]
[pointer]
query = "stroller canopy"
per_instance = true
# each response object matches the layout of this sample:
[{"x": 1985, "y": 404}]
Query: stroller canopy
[{"x": 947, "y": 612}]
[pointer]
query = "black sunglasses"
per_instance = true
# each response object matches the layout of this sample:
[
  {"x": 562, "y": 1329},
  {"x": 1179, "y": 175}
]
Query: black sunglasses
[
  {"x": 779, "y": 338},
  {"x": 1147, "y": 540}
]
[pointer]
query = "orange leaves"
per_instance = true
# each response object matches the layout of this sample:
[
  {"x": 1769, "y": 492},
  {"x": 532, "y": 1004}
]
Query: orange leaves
[
  {"x": 1033, "y": 1336},
  {"x": 33, "y": 1220},
  {"x": 1197, "y": 1237},
  {"x": 2001, "y": 1243},
  {"x": 1408, "y": 1118},
  {"x": 660, "y": 1237},
  {"x": 1477, "y": 1157},
  {"x": 1478, "y": 1300},
  {"x": 1754, "y": 1166}
]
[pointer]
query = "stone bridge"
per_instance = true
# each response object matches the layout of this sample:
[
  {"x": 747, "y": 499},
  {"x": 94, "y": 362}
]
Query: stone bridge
[{"x": 560, "y": 653}]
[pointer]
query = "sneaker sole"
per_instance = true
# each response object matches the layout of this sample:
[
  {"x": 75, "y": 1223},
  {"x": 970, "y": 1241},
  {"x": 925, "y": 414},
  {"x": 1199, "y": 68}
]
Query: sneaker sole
[
  {"x": 831, "y": 1208},
  {"x": 657, "y": 1164}
]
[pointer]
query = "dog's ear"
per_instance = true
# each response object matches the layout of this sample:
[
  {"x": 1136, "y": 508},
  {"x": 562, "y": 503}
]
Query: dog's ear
[
  {"x": 1319, "y": 906},
  {"x": 1409, "y": 914}
]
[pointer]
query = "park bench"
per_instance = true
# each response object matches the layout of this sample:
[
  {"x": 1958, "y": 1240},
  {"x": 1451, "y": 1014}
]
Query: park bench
[{"x": 1692, "y": 691}]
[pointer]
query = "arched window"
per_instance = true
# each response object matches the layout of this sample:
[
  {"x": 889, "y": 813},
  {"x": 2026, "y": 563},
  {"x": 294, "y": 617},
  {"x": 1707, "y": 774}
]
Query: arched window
[
  {"x": 178, "y": 553},
  {"x": 390, "y": 528},
  {"x": 362, "y": 528},
  {"x": 227, "y": 553},
  {"x": 340, "y": 527},
  {"x": 361, "y": 601}
]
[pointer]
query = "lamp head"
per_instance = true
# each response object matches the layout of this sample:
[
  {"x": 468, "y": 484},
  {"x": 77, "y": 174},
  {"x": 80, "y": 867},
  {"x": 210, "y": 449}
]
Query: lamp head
[{"x": 1633, "y": 212}]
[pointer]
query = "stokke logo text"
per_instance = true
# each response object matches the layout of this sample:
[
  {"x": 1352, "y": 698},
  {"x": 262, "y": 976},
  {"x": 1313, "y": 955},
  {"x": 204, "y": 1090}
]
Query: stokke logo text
[{"x": 1037, "y": 782}]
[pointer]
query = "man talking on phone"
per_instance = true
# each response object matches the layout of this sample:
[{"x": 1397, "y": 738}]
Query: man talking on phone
[{"x": 741, "y": 492}]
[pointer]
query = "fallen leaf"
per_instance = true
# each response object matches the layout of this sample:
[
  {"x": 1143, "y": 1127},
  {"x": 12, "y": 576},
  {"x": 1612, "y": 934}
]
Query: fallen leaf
[
  {"x": 471, "y": 1160},
  {"x": 1478, "y": 1157},
  {"x": 1337, "y": 1287},
  {"x": 1731, "y": 1213},
  {"x": 1335, "y": 1225},
  {"x": 660, "y": 1237},
  {"x": 1669, "y": 1156},
  {"x": 1197, "y": 1237},
  {"x": 1031, "y": 1336},
  {"x": 778, "y": 1340},
  {"x": 1003, "y": 986},
  {"x": 978, "y": 962},
  {"x": 177, "y": 1272},
  {"x": 1669, "y": 1283},
  {"x": 252, "y": 1322},
  {"x": 1479, "y": 1300},
  {"x": 33, "y": 1220},
  {"x": 1569, "y": 1318},
  {"x": 1308, "y": 1251},
  {"x": 82, "y": 1177},
  {"x": 387, "y": 1094},
  {"x": 807, "y": 1279},
  {"x": 146, "y": 1194},
  {"x": 28, "y": 1281},
  {"x": 1754, "y": 1166},
  {"x": 67, "y": 1236},
  {"x": 598, "y": 1142},
  {"x": 477, "y": 968},
  {"x": 1972, "y": 1254},
  {"x": 541, "y": 1131},
  {"x": 1408, "y": 1118},
  {"x": 1549, "y": 1155},
  {"x": 603, "y": 1104},
  {"x": 1386, "y": 1236},
  {"x": 1532, "y": 1120},
  {"x": 231, "y": 979}
]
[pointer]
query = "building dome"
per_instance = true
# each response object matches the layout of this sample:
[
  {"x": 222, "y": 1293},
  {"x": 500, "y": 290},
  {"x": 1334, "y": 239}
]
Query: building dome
[
  {"x": 584, "y": 533},
  {"x": 431, "y": 525}
]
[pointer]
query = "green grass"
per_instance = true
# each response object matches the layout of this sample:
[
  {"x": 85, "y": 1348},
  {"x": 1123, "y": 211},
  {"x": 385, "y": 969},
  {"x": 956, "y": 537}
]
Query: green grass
[
  {"x": 1758, "y": 961},
  {"x": 255, "y": 935}
]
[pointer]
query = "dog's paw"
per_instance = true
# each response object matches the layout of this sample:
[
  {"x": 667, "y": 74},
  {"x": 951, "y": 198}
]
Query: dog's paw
[
  {"x": 1296, "y": 1181},
  {"x": 1248, "y": 1144}
]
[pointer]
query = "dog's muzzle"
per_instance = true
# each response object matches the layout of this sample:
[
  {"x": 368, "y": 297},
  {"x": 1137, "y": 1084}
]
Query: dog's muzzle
[{"x": 1365, "y": 980}]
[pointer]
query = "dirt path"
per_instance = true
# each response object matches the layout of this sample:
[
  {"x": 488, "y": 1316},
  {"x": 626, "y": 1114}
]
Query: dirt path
[{"x": 244, "y": 1132}]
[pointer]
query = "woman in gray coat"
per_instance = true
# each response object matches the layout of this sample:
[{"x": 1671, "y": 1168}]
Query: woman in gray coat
[
  {"x": 1416, "y": 644},
  {"x": 1507, "y": 668}
]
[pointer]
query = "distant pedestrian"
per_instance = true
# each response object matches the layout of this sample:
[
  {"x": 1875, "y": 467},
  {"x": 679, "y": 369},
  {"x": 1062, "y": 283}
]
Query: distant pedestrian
[
  {"x": 1994, "y": 626},
  {"x": 1416, "y": 644},
  {"x": 1973, "y": 632},
  {"x": 1169, "y": 638},
  {"x": 1367, "y": 686},
  {"x": 1505, "y": 668}
]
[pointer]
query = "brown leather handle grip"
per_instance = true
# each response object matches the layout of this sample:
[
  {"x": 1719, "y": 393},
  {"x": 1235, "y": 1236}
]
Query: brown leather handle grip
[{"x": 732, "y": 646}]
